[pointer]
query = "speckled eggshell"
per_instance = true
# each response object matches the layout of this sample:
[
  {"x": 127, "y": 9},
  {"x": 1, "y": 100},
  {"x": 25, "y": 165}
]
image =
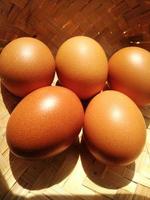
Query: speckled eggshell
[
  {"x": 81, "y": 65},
  {"x": 26, "y": 64},
  {"x": 114, "y": 128},
  {"x": 45, "y": 123}
]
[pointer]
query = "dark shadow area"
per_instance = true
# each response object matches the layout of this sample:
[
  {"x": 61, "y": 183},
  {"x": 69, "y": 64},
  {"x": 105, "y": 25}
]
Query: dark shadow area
[
  {"x": 106, "y": 176},
  {"x": 5, "y": 193},
  {"x": 147, "y": 122},
  {"x": 39, "y": 174},
  {"x": 58, "y": 83},
  {"x": 146, "y": 114},
  {"x": 9, "y": 99},
  {"x": 3, "y": 187},
  {"x": 86, "y": 102}
]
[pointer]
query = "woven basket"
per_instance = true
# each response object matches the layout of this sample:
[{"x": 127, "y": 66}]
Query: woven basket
[{"x": 74, "y": 174}]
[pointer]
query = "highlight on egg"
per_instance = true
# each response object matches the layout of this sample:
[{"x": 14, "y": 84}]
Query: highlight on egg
[
  {"x": 114, "y": 128},
  {"x": 44, "y": 123},
  {"x": 26, "y": 64},
  {"x": 81, "y": 65},
  {"x": 129, "y": 72}
]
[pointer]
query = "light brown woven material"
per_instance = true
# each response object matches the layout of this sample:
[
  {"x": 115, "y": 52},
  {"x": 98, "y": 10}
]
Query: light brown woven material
[{"x": 74, "y": 174}]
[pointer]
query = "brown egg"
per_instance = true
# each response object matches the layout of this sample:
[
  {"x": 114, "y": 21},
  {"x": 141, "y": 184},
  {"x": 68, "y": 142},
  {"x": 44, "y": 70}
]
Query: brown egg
[
  {"x": 114, "y": 128},
  {"x": 81, "y": 65},
  {"x": 25, "y": 65},
  {"x": 129, "y": 72},
  {"x": 45, "y": 122}
]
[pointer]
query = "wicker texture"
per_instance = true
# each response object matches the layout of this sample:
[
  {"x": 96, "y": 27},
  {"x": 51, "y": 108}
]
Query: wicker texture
[
  {"x": 113, "y": 23},
  {"x": 74, "y": 174}
]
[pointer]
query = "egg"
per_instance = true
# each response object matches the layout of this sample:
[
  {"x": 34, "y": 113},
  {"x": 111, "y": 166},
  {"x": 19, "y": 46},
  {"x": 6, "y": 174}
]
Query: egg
[
  {"x": 44, "y": 123},
  {"x": 26, "y": 64},
  {"x": 114, "y": 128},
  {"x": 81, "y": 65},
  {"x": 129, "y": 72}
]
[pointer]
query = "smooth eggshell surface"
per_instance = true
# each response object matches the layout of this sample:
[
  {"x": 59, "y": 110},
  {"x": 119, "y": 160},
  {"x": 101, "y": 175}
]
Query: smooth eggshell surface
[
  {"x": 81, "y": 65},
  {"x": 45, "y": 122},
  {"x": 114, "y": 128},
  {"x": 129, "y": 72},
  {"x": 25, "y": 65}
]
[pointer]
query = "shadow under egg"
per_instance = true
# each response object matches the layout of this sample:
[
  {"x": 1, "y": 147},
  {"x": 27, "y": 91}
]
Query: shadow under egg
[
  {"x": 9, "y": 99},
  {"x": 111, "y": 177},
  {"x": 38, "y": 174}
]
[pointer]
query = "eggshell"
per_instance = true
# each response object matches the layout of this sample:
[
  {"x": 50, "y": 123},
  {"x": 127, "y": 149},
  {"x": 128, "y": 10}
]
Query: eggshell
[
  {"x": 25, "y": 65},
  {"x": 114, "y": 128},
  {"x": 45, "y": 123},
  {"x": 81, "y": 65},
  {"x": 129, "y": 72}
]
